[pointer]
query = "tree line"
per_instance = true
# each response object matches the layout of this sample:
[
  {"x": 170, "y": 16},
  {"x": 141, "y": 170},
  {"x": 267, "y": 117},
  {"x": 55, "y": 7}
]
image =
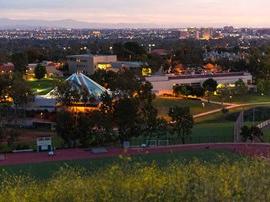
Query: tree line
[{"x": 125, "y": 113}]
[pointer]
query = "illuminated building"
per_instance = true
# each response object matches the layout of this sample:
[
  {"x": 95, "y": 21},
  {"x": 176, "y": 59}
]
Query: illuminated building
[
  {"x": 89, "y": 63},
  {"x": 79, "y": 82},
  {"x": 165, "y": 83},
  {"x": 51, "y": 70},
  {"x": 6, "y": 68}
]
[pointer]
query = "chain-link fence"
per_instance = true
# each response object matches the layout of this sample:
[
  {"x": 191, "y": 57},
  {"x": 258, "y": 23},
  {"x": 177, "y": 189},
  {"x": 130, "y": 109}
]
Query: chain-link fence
[{"x": 154, "y": 142}]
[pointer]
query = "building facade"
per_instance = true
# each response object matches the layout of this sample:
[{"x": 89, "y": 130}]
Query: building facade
[
  {"x": 164, "y": 84},
  {"x": 88, "y": 63},
  {"x": 6, "y": 68}
]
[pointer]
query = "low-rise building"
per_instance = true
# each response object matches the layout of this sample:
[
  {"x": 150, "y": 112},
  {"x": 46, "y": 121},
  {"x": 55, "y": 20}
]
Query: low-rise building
[
  {"x": 6, "y": 68},
  {"x": 79, "y": 82},
  {"x": 164, "y": 84},
  {"x": 126, "y": 64},
  {"x": 52, "y": 69},
  {"x": 89, "y": 63}
]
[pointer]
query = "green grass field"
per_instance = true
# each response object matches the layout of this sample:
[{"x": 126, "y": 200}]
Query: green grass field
[
  {"x": 213, "y": 132},
  {"x": 266, "y": 133},
  {"x": 245, "y": 99},
  {"x": 163, "y": 105},
  {"x": 46, "y": 170},
  {"x": 210, "y": 129},
  {"x": 43, "y": 86}
]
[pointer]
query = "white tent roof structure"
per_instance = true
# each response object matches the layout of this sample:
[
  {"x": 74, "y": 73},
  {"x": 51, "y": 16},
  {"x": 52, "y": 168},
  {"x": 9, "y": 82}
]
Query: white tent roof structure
[
  {"x": 81, "y": 81},
  {"x": 77, "y": 80}
]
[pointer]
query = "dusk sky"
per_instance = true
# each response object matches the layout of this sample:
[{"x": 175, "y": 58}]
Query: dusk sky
[{"x": 162, "y": 12}]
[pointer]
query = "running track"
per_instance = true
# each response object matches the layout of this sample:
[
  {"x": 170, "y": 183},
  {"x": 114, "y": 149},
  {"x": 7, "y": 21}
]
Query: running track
[{"x": 262, "y": 150}]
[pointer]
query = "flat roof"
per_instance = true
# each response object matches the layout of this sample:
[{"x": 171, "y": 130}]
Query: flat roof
[
  {"x": 216, "y": 75},
  {"x": 89, "y": 55}
]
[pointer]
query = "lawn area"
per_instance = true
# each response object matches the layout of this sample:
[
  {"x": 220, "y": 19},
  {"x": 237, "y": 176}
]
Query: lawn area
[
  {"x": 213, "y": 132},
  {"x": 266, "y": 133},
  {"x": 46, "y": 170},
  {"x": 214, "y": 128},
  {"x": 209, "y": 132},
  {"x": 163, "y": 105},
  {"x": 245, "y": 99},
  {"x": 43, "y": 86}
]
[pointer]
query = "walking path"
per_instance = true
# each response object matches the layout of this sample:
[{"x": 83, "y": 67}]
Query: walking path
[
  {"x": 262, "y": 150},
  {"x": 227, "y": 106}
]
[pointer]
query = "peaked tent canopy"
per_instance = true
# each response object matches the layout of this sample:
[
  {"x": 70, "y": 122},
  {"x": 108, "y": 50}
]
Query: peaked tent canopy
[
  {"x": 81, "y": 81},
  {"x": 77, "y": 80}
]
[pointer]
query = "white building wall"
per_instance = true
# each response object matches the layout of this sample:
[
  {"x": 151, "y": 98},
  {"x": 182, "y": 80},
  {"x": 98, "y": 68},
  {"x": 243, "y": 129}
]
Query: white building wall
[
  {"x": 162, "y": 84},
  {"x": 81, "y": 63},
  {"x": 87, "y": 63}
]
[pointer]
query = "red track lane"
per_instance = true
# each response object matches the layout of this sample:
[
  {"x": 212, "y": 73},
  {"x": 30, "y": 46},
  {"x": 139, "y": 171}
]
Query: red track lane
[{"x": 262, "y": 150}]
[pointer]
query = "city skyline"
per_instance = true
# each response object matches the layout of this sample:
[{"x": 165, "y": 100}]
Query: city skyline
[{"x": 170, "y": 13}]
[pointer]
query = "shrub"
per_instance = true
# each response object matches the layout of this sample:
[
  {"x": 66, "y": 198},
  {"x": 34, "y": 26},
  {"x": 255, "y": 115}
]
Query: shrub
[{"x": 244, "y": 180}]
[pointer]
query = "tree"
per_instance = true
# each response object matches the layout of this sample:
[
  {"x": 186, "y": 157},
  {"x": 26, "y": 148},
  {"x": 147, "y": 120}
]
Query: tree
[
  {"x": 65, "y": 67},
  {"x": 35, "y": 54},
  {"x": 126, "y": 118},
  {"x": 107, "y": 105},
  {"x": 224, "y": 93},
  {"x": 85, "y": 97},
  {"x": 240, "y": 87},
  {"x": 105, "y": 78},
  {"x": 161, "y": 127},
  {"x": 189, "y": 53},
  {"x": 129, "y": 51},
  {"x": 184, "y": 90},
  {"x": 263, "y": 86},
  {"x": 251, "y": 133},
  {"x": 257, "y": 133},
  {"x": 245, "y": 133},
  {"x": 123, "y": 83},
  {"x": 5, "y": 83},
  {"x": 20, "y": 61},
  {"x": 95, "y": 128},
  {"x": 40, "y": 71},
  {"x": 127, "y": 83},
  {"x": 198, "y": 91},
  {"x": 210, "y": 85},
  {"x": 21, "y": 92},
  {"x": 66, "y": 94},
  {"x": 181, "y": 122},
  {"x": 148, "y": 113},
  {"x": 66, "y": 127},
  {"x": 265, "y": 64},
  {"x": 3, "y": 57}
]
